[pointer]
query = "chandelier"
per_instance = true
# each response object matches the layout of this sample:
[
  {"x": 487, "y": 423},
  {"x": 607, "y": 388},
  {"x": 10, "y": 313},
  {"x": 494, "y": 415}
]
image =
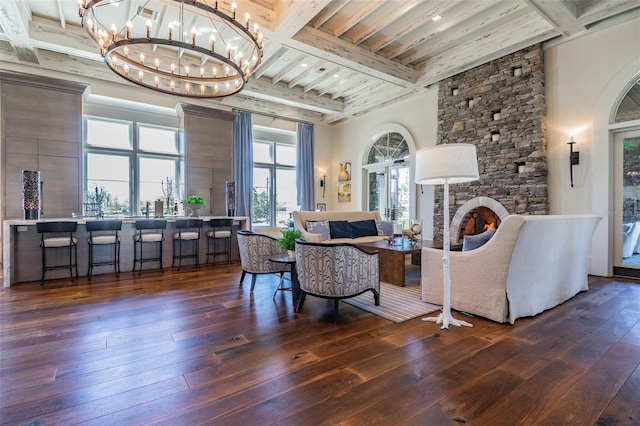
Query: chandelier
[{"x": 181, "y": 47}]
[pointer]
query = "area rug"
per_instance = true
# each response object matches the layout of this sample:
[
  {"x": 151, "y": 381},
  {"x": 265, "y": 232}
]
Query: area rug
[{"x": 397, "y": 304}]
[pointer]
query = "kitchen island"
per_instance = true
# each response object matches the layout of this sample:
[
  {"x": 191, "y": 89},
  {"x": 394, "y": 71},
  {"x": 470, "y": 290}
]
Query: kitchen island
[{"x": 21, "y": 253}]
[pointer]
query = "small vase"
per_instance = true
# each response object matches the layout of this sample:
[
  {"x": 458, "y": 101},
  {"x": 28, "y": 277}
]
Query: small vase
[{"x": 194, "y": 210}]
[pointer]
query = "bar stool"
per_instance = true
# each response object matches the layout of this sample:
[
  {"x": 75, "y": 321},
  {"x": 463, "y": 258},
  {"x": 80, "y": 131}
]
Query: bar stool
[
  {"x": 221, "y": 229},
  {"x": 150, "y": 231},
  {"x": 188, "y": 230},
  {"x": 61, "y": 237},
  {"x": 104, "y": 233}
]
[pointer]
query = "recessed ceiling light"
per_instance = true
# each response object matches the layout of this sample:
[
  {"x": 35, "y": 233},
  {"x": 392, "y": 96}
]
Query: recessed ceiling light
[
  {"x": 303, "y": 65},
  {"x": 336, "y": 76},
  {"x": 436, "y": 18}
]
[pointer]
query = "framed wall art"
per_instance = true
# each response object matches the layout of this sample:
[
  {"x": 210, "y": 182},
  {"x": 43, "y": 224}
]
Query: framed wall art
[
  {"x": 344, "y": 193},
  {"x": 344, "y": 172}
]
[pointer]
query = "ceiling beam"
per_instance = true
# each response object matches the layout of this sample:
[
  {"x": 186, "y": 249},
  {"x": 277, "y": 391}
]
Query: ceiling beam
[
  {"x": 516, "y": 34},
  {"x": 595, "y": 11},
  {"x": 293, "y": 15},
  {"x": 261, "y": 89},
  {"x": 320, "y": 79},
  {"x": 340, "y": 52},
  {"x": 470, "y": 27},
  {"x": 418, "y": 18},
  {"x": 382, "y": 22},
  {"x": 14, "y": 20},
  {"x": 270, "y": 61},
  {"x": 558, "y": 14},
  {"x": 328, "y": 12},
  {"x": 310, "y": 69},
  {"x": 365, "y": 9},
  {"x": 290, "y": 67},
  {"x": 63, "y": 21},
  {"x": 336, "y": 87}
]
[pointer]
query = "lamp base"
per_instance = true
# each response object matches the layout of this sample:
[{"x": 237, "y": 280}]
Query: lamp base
[
  {"x": 446, "y": 320},
  {"x": 31, "y": 214}
]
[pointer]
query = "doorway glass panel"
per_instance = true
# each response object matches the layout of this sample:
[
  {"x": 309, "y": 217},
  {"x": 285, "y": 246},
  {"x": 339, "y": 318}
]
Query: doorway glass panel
[
  {"x": 399, "y": 193},
  {"x": 627, "y": 182},
  {"x": 377, "y": 191},
  {"x": 388, "y": 175},
  {"x": 389, "y": 192}
]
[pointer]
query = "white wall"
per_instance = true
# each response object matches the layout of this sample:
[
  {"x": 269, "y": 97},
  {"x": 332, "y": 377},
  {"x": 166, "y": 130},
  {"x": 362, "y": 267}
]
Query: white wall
[
  {"x": 322, "y": 157},
  {"x": 584, "y": 77},
  {"x": 418, "y": 114}
]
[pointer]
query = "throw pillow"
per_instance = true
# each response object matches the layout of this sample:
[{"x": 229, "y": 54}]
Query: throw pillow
[
  {"x": 472, "y": 242},
  {"x": 319, "y": 227},
  {"x": 385, "y": 228},
  {"x": 380, "y": 227},
  {"x": 339, "y": 229},
  {"x": 363, "y": 228}
]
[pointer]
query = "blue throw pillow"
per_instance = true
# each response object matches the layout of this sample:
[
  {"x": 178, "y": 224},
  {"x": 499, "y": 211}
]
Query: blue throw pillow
[
  {"x": 471, "y": 242},
  {"x": 363, "y": 228},
  {"x": 319, "y": 227},
  {"x": 339, "y": 229}
]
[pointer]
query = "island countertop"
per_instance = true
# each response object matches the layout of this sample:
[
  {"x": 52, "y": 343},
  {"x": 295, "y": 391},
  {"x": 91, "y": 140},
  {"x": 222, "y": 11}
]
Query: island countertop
[{"x": 21, "y": 244}]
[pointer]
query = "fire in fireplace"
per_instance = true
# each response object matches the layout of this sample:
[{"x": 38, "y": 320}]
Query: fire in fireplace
[{"x": 478, "y": 220}]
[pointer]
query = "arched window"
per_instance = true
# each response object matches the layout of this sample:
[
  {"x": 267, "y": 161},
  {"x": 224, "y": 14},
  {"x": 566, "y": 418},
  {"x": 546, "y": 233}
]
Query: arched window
[
  {"x": 629, "y": 108},
  {"x": 387, "y": 147}
]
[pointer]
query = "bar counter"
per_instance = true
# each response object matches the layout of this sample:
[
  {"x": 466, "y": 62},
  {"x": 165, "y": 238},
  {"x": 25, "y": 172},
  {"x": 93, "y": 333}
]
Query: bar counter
[{"x": 21, "y": 253}]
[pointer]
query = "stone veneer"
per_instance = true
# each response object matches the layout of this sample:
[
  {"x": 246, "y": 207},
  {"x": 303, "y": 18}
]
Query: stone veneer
[{"x": 499, "y": 107}]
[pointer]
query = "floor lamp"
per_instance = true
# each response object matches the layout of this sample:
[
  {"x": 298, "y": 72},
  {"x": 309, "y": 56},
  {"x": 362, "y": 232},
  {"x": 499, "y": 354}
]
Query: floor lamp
[{"x": 446, "y": 164}]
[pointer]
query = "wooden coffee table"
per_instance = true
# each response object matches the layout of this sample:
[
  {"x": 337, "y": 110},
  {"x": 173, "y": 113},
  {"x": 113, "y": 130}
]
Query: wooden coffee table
[{"x": 392, "y": 257}]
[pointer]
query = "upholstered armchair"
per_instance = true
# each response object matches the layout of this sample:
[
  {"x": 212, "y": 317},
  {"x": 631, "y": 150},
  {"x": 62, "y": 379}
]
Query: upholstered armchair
[
  {"x": 336, "y": 271},
  {"x": 255, "y": 251}
]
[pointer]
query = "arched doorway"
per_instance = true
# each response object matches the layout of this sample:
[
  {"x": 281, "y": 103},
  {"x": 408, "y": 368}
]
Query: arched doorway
[
  {"x": 626, "y": 184},
  {"x": 388, "y": 173}
]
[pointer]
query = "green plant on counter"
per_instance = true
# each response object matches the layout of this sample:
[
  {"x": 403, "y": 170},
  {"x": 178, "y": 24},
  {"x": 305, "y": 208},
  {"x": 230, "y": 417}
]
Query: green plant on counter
[
  {"x": 193, "y": 199},
  {"x": 98, "y": 195},
  {"x": 288, "y": 240}
]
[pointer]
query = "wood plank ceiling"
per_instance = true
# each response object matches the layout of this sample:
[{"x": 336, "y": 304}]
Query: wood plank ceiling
[{"x": 327, "y": 61}]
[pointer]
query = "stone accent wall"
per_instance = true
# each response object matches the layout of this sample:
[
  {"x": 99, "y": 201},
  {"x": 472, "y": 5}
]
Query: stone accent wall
[{"x": 500, "y": 107}]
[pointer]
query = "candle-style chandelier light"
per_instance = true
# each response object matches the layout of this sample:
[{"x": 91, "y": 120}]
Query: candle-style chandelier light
[{"x": 181, "y": 47}]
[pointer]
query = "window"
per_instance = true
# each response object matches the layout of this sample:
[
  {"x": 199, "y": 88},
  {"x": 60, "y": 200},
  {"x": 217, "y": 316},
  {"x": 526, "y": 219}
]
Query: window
[
  {"x": 388, "y": 174},
  {"x": 274, "y": 177},
  {"x": 132, "y": 164}
]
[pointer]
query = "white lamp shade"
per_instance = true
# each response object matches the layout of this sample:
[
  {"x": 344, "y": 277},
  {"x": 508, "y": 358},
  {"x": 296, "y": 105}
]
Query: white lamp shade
[{"x": 455, "y": 162}]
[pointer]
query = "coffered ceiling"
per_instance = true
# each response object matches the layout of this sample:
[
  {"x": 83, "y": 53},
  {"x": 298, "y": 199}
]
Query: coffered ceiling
[{"x": 326, "y": 61}]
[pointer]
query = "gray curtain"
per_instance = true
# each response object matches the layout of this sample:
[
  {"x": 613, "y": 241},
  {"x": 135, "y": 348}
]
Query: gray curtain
[
  {"x": 243, "y": 161},
  {"x": 304, "y": 167}
]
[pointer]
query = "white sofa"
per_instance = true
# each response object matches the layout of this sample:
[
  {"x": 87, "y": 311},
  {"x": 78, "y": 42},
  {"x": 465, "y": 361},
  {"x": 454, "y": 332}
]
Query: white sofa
[
  {"x": 531, "y": 264},
  {"x": 630, "y": 239},
  {"x": 301, "y": 219}
]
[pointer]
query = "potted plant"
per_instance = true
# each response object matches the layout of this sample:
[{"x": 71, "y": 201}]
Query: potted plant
[
  {"x": 96, "y": 200},
  {"x": 288, "y": 240},
  {"x": 193, "y": 204}
]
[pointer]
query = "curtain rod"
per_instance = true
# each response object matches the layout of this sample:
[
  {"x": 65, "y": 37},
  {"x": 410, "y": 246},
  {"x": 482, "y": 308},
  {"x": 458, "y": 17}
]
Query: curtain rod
[{"x": 274, "y": 116}]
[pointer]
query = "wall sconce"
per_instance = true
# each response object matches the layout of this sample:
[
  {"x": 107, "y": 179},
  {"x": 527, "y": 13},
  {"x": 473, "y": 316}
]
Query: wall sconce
[
  {"x": 574, "y": 158},
  {"x": 323, "y": 182}
]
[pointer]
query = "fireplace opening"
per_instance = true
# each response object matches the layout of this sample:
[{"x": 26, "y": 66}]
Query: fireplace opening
[{"x": 478, "y": 220}]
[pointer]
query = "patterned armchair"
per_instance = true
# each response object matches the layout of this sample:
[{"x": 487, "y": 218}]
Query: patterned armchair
[
  {"x": 255, "y": 251},
  {"x": 336, "y": 271}
]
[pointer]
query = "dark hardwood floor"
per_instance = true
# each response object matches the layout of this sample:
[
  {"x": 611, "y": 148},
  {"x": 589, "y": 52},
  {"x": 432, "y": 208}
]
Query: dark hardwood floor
[{"x": 193, "y": 347}]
